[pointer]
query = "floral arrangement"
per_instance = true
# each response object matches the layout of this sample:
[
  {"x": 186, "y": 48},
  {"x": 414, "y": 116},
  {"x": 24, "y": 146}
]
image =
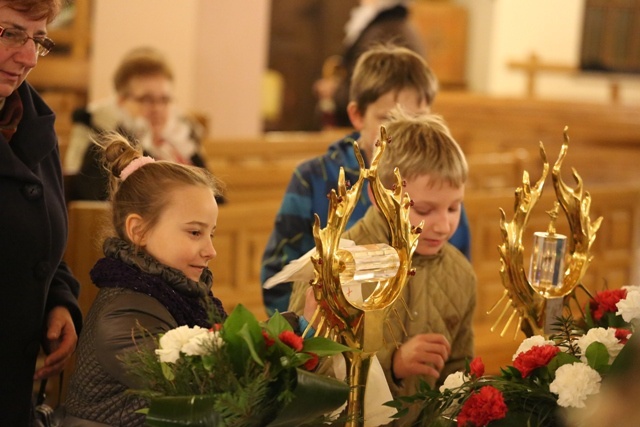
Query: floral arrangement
[
  {"x": 561, "y": 371},
  {"x": 239, "y": 373}
]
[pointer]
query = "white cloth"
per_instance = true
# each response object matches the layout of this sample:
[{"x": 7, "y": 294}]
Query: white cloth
[
  {"x": 376, "y": 392},
  {"x": 361, "y": 17},
  {"x": 299, "y": 270}
]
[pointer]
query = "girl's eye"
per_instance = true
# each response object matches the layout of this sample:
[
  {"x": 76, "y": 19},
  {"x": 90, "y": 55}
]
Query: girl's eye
[{"x": 195, "y": 233}]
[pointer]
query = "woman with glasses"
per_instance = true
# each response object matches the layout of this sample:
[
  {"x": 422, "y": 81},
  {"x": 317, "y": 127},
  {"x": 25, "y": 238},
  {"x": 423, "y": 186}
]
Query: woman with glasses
[
  {"x": 38, "y": 294},
  {"x": 142, "y": 110}
]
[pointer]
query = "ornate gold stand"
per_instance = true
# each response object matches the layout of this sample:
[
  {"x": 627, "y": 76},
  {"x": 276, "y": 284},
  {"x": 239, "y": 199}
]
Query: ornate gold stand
[
  {"x": 360, "y": 324},
  {"x": 525, "y": 301}
]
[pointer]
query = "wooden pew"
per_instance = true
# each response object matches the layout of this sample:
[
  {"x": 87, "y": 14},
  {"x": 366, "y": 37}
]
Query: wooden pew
[
  {"x": 241, "y": 236},
  {"x": 491, "y": 171},
  {"x": 89, "y": 222},
  {"x": 261, "y": 170},
  {"x": 483, "y": 123}
]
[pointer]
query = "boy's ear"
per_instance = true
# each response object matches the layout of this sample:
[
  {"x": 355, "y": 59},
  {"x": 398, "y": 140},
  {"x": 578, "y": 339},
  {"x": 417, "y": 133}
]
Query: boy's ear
[
  {"x": 355, "y": 116},
  {"x": 133, "y": 226}
]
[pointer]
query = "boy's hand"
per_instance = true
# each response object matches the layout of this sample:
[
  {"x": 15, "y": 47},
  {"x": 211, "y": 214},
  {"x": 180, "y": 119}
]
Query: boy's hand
[
  {"x": 423, "y": 354},
  {"x": 310, "y": 305}
]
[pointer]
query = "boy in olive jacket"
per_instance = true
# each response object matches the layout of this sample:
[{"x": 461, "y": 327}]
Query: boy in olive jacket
[{"x": 441, "y": 297}]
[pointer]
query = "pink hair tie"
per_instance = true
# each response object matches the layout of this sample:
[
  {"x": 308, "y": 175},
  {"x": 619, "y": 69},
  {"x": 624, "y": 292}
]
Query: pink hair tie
[{"x": 134, "y": 166}]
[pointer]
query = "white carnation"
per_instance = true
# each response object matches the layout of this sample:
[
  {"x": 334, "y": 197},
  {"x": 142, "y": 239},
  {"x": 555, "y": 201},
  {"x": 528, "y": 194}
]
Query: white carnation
[
  {"x": 172, "y": 343},
  {"x": 529, "y": 343},
  {"x": 604, "y": 336},
  {"x": 200, "y": 344},
  {"x": 629, "y": 308},
  {"x": 574, "y": 383},
  {"x": 454, "y": 380}
]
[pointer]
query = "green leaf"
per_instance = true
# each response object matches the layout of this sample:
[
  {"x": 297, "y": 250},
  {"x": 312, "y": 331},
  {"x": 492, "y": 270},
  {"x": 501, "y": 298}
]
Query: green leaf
[
  {"x": 625, "y": 360},
  {"x": 236, "y": 342},
  {"x": 246, "y": 335},
  {"x": 208, "y": 362},
  {"x": 323, "y": 346},
  {"x": 167, "y": 371},
  {"x": 598, "y": 356},
  {"x": 560, "y": 359},
  {"x": 588, "y": 317},
  {"x": 277, "y": 324},
  {"x": 182, "y": 411},
  {"x": 314, "y": 396}
]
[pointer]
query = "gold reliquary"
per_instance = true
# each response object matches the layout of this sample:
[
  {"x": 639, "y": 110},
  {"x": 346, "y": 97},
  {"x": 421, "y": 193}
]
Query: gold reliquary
[{"x": 536, "y": 294}]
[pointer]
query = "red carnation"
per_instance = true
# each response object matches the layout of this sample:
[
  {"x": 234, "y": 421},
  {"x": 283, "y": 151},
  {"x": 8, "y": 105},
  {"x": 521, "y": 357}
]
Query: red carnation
[
  {"x": 291, "y": 339},
  {"x": 535, "y": 357},
  {"x": 605, "y": 302},
  {"x": 482, "y": 407},
  {"x": 216, "y": 327},
  {"x": 622, "y": 335},
  {"x": 312, "y": 363},
  {"x": 476, "y": 367},
  {"x": 267, "y": 339}
]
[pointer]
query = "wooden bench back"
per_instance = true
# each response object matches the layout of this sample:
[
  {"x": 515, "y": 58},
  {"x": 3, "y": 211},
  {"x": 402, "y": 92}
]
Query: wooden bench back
[
  {"x": 261, "y": 170},
  {"x": 88, "y": 225},
  {"x": 484, "y": 124}
]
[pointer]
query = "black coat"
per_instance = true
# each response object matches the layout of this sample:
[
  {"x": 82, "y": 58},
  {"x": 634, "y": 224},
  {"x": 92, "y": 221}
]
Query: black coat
[{"x": 33, "y": 237}]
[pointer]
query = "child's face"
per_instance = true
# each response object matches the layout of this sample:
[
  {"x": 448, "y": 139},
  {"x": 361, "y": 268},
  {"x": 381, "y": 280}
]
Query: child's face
[
  {"x": 439, "y": 206},
  {"x": 377, "y": 113},
  {"x": 182, "y": 238}
]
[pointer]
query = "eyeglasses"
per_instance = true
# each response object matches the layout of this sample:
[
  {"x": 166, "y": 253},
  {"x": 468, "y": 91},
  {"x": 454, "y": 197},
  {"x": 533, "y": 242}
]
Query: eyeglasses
[
  {"x": 149, "y": 100},
  {"x": 13, "y": 37}
]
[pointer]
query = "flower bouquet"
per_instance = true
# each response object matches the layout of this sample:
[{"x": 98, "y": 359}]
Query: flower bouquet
[
  {"x": 561, "y": 371},
  {"x": 240, "y": 373}
]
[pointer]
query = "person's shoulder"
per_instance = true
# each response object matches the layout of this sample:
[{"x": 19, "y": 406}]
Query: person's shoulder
[{"x": 127, "y": 308}]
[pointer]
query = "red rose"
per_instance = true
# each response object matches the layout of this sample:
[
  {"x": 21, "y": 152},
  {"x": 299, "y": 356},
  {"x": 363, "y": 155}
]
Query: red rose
[
  {"x": 605, "y": 302},
  {"x": 537, "y": 356},
  {"x": 476, "y": 367},
  {"x": 482, "y": 407},
  {"x": 267, "y": 339},
  {"x": 312, "y": 363},
  {"x": 622, "y": 335},
  {"x": 291, "y": 339}
]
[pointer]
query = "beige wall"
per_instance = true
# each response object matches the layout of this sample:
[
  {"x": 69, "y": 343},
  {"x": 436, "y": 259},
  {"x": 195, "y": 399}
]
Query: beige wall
[
  {"x": 217, "y": 49},
  {"x": 508, "y": 30}
]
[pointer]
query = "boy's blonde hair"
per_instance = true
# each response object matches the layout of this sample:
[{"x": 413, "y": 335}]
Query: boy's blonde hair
[
  {"x": 421, "y": 145},
  {"x": 388, "y": 68}
]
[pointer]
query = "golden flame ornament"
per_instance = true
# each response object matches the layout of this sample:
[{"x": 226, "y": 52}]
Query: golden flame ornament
[
  {"x": 523, "y": 300},
  {"x": 359, "y": 325}
]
